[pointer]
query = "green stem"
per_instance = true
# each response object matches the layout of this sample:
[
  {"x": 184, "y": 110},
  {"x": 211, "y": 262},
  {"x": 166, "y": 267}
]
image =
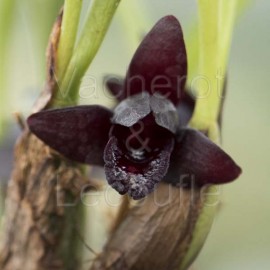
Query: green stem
[
  {"x": 192, "y": 47},
  {"x": 93, "y": 33},
  {"x": 216, "y": 20},
  {"x": 69, "y": 28},
  {"x": 6, "y": 15}
]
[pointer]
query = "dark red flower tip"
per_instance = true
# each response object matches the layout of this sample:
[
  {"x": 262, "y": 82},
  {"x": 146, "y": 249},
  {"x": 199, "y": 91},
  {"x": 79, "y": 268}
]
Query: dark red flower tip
[
  {"x": 197, "y": 158},
  {"x": 79, "y": 133},
  {"x": 115, "y": 84},
  {"x": 160, "y": 63}
]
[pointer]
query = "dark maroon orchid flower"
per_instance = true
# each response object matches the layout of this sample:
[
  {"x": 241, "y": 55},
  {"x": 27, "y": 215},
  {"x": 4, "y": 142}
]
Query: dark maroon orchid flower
[{"x": 144, "y": 140}]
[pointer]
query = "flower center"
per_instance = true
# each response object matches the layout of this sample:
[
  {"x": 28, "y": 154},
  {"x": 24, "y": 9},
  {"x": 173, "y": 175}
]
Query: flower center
[{"x": 141, "y": 142}]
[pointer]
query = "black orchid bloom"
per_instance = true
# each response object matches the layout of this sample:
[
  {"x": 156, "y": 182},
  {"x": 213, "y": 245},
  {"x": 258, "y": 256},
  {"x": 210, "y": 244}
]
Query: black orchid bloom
[{"x": 144, "y": 140}]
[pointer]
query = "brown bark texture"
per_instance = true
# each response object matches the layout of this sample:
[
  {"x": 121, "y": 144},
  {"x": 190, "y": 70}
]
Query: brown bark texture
[
  {"x": 155, "y": 234},
  {"x": 38, "y": 231},
  {"x": 37, "y": 221}
]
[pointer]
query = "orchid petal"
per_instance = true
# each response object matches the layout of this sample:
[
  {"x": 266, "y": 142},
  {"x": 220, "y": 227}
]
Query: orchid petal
[
  {"x": 116, "y": 86},
  {"x": 160, "y": 63},
  {"x": 196, "y": 157},
  {"x": 80, "y": 133},
  {"x": 164, "y": 112},
  {"x": 131, "y": 110},
  {"x": 185, "y": 109}
]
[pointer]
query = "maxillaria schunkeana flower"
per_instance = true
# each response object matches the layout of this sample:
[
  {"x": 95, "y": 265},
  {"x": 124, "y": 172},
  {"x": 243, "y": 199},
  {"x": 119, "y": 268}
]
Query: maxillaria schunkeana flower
[{"x": 144, "y": 140}]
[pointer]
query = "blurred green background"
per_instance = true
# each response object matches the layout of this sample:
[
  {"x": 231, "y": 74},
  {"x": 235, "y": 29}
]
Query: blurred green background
[{"x": 240, "y": 236}]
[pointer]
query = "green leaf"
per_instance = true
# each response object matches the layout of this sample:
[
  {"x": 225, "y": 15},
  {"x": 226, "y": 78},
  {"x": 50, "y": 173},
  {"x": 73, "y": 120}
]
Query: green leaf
[
  {"x": 216, "y": 23},
  {"x": 6, "y": 18},
  {"x": 93, "y": 33},
  {"x": 70, "y": 23},
  {"x": 216, "y": 20}
]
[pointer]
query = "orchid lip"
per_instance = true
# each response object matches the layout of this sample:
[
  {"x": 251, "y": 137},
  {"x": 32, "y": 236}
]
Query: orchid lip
[{"x": 136, "y": 179}]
